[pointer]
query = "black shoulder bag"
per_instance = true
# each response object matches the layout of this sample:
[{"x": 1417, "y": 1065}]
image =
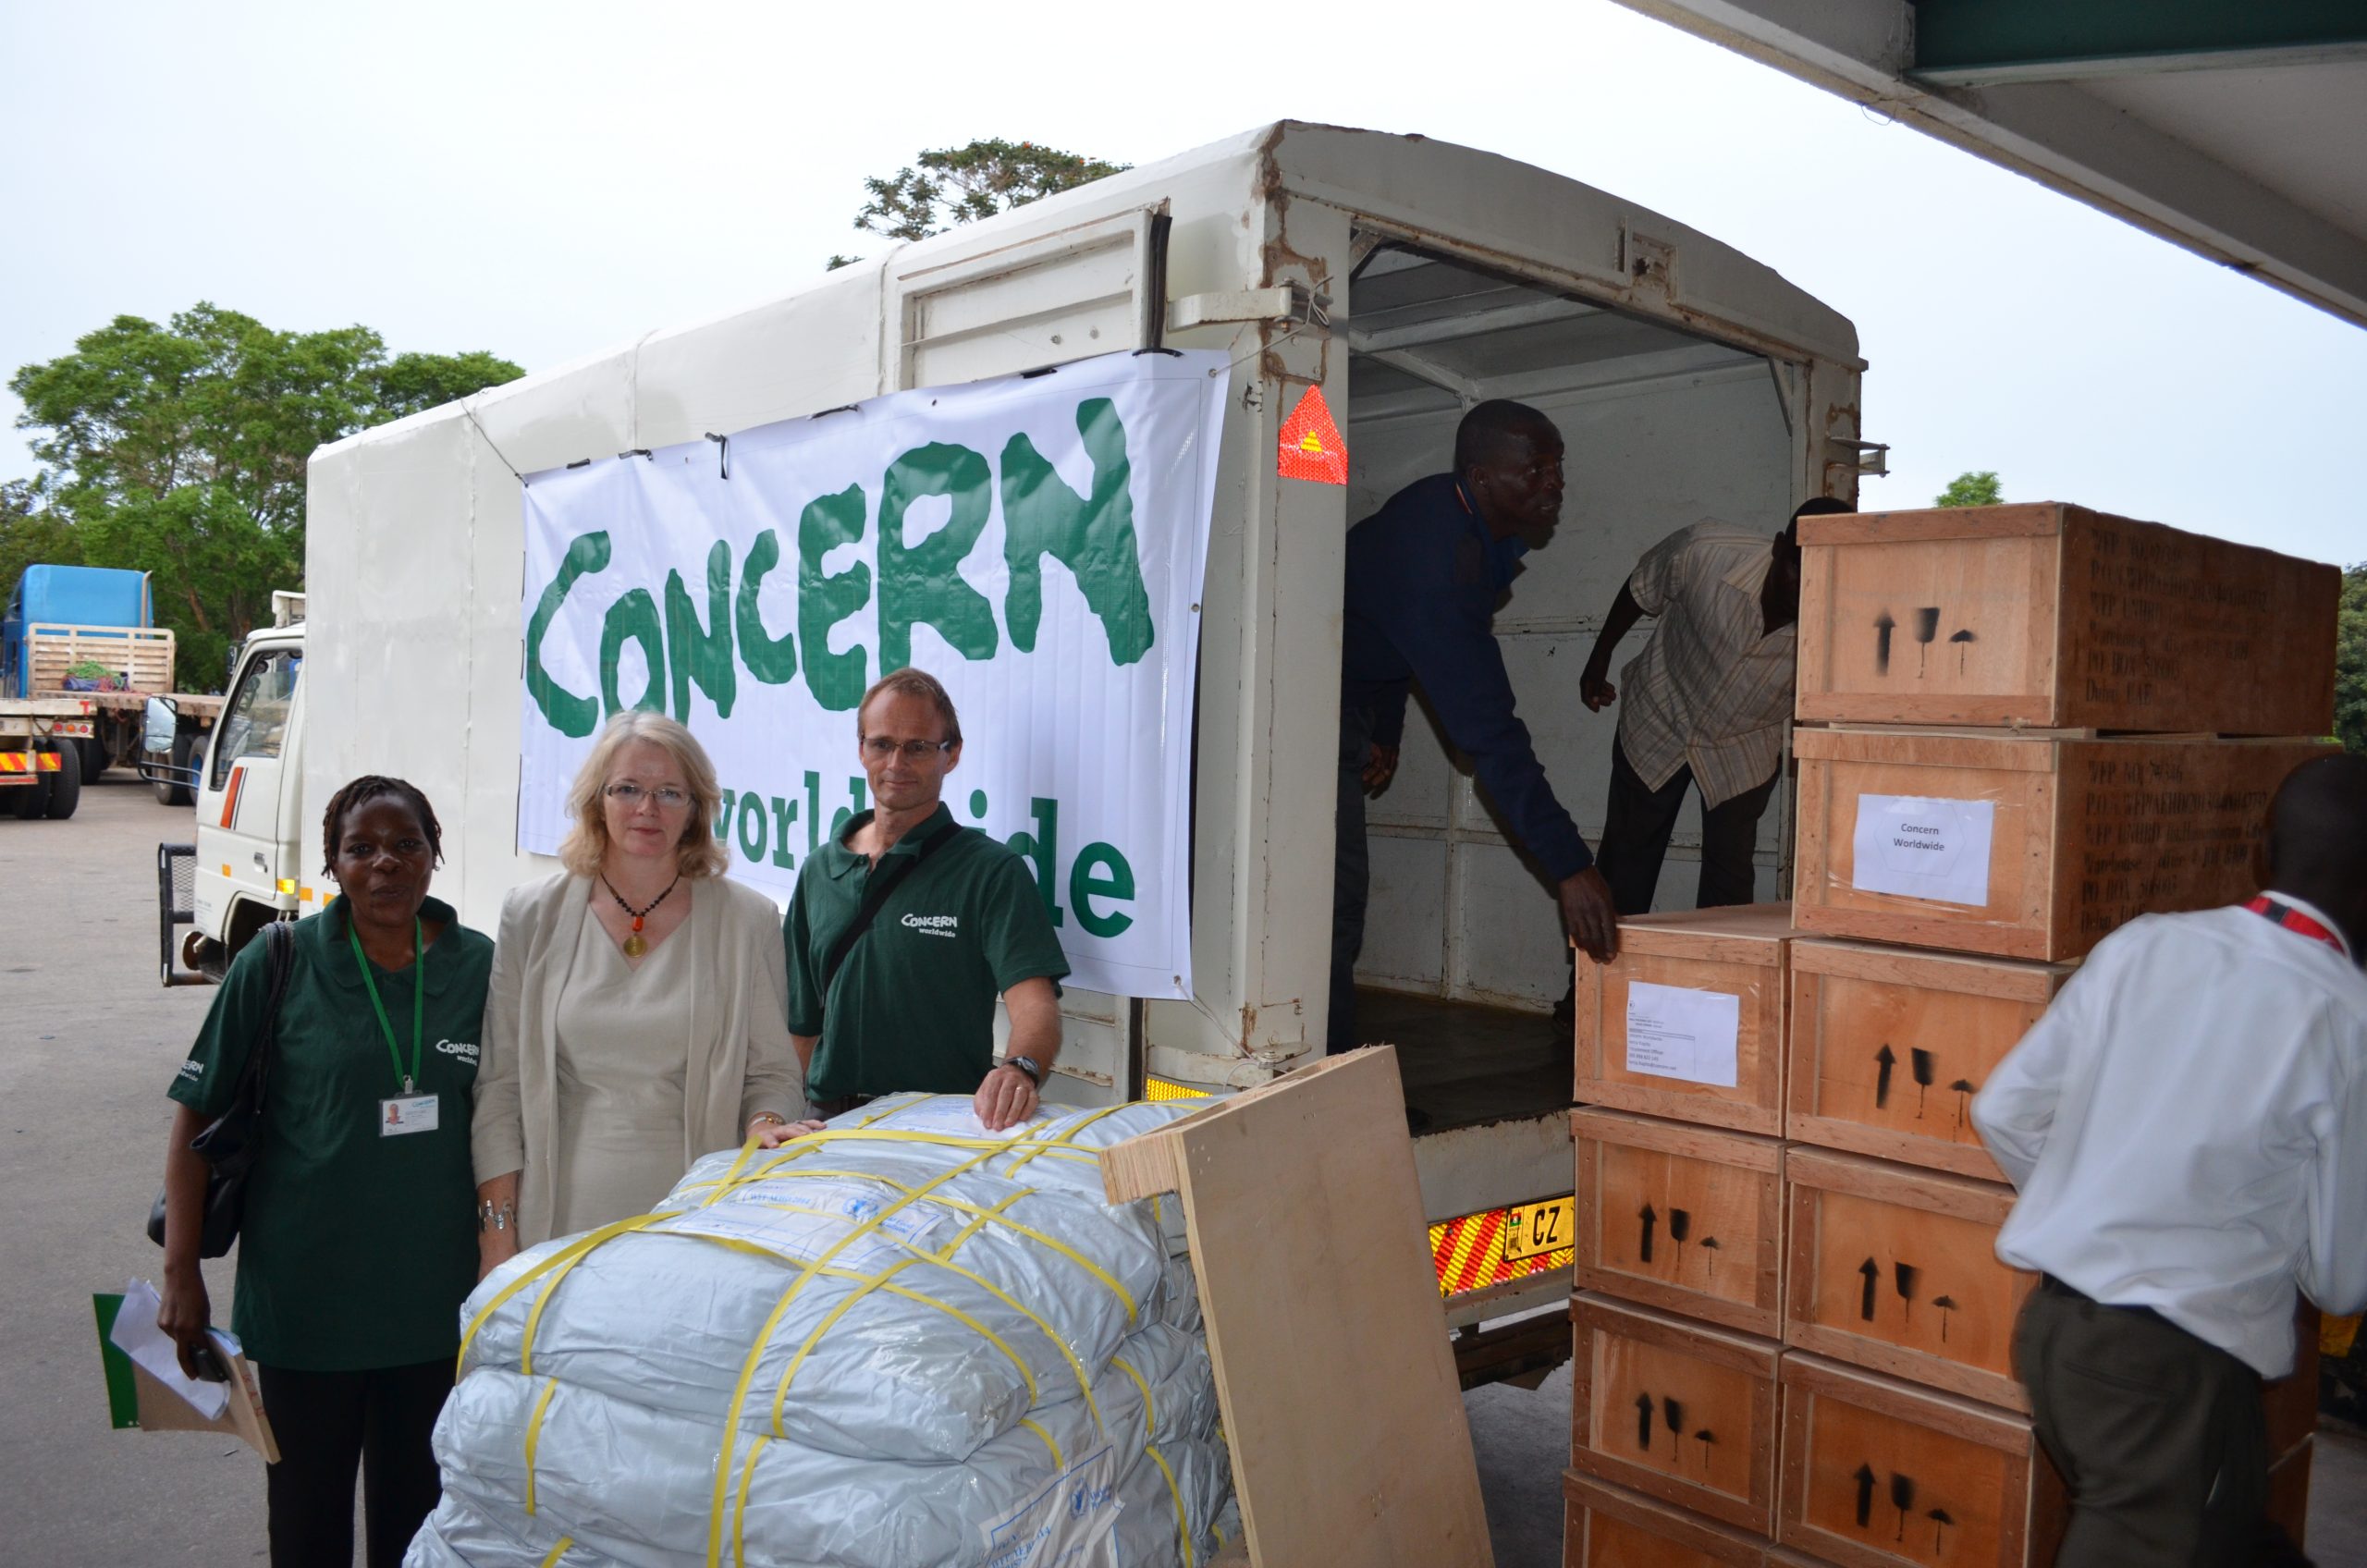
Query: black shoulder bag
[
  {"x": 884, "y": 883},
  {"x": 231, "y": 1140}
]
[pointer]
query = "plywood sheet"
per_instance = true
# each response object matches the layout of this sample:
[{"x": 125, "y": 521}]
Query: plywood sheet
[{"x": 1341, "y": 1403}]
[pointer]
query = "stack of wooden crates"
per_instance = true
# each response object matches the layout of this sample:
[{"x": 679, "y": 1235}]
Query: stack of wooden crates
[{"x": 2020, "y": 726}]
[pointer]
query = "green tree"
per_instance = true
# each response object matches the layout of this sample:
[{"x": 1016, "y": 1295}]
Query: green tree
[
  {"x": 1971, "y": 488},
  {"x": 2350, "y": 663},
  {"x": 181, "y": 450},
  {"x": 955, "y": 185}
]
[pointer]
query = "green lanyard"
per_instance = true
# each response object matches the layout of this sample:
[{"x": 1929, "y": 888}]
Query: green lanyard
[{"x": 418, "y": 1000}]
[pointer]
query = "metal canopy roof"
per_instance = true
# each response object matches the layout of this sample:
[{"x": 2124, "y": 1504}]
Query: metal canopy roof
[{"x": 2236, "y": 128}]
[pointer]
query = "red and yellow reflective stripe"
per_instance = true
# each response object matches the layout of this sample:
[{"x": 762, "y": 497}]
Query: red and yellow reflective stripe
[
  {"x": 30, "y": 762},
  {"x": 1469, "y": 1254}
]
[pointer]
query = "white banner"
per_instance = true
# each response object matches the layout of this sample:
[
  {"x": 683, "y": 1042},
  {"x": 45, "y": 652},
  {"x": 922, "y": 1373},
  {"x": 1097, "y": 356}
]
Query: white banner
[{"x": 1036, "y": 543}]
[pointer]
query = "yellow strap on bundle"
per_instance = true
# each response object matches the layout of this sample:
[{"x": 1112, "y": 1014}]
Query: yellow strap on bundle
[
  {"x": 558, "y": 1551},
  {"x": 535, "y": 1438},
  {"x": 772, "y": 1322},
  {"x": 1029, "y": 1422},
  {"x": 740, "y": 1509},
  {"x": 1182, "y": 1520}
]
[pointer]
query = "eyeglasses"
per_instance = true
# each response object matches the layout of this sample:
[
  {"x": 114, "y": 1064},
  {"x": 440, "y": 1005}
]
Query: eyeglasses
[
  {"x": 630, "y": 796},
  {"x": 879, "y": 748}
]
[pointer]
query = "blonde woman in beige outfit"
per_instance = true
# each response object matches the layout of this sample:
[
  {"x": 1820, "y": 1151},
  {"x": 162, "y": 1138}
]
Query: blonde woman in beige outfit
[{"x": 637, "y": 1016}]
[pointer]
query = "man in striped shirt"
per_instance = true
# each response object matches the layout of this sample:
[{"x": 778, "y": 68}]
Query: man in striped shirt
[{"x": 1706, "y": 701}]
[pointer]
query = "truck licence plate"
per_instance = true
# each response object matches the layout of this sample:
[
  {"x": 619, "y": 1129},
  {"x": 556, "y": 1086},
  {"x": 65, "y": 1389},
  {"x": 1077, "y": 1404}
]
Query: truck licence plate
[
  {"x": 80, "y": 727},
  {"x": 1536, "y": 1229}
]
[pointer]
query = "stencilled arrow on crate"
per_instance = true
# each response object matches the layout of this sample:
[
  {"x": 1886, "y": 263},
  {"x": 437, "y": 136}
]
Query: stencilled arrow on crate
[
  {"x": 1884, "y": 626},
  {"x": 1644, "y": 1247},
  {"x": 1885, "y": 1058},
  {"x": 1865, "y": 1496},
  {"x": 1644, "y": 1422},
  {"x": 1872, "y": 1273}
]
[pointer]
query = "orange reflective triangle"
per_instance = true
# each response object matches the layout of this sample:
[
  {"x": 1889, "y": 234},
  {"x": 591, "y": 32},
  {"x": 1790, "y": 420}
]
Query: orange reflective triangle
[{"x": 1312, "y": 448}]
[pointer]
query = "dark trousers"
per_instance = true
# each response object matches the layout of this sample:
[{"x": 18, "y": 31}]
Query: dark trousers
[
  {"x": 2159, "y": 1436},
  {"x": 1639, "y": 820},
  {"x": 1351, "y": 883},
  {"x": 328, "y": 1423}
]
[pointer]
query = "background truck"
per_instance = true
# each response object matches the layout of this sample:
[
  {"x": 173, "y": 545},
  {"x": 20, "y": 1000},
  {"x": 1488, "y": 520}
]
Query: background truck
[
  {"x": 80, "y": 664},
  {"x": 1405, "y": 277}
]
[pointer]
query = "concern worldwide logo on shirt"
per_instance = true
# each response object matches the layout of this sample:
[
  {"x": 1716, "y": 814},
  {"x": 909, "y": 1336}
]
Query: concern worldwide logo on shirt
[{"x": 934, "y": 924}]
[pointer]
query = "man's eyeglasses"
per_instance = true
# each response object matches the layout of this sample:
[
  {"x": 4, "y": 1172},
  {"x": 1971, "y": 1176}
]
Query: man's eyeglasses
[
  {"x": 881, "y": 748},
  {"x": 630, "y": 796}
]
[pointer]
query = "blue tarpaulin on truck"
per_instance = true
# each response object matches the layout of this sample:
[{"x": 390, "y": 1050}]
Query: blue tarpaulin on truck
[{"x": 68, "y": 595}]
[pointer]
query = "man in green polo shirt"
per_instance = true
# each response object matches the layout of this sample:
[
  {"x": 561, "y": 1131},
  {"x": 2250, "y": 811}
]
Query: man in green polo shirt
[{"x": 958, "y": 921}]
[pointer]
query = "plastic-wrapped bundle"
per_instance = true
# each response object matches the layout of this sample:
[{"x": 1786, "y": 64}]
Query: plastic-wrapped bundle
[{"x": 904, "y": 1342}]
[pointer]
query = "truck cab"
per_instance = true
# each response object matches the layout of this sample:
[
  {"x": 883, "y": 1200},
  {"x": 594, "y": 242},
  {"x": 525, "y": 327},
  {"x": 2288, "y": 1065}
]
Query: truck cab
[{"x": 246, "y": 866}]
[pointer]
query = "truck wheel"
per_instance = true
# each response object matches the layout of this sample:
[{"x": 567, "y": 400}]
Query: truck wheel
[
  {"x": 169, "y": 793},
  {"x": 66, "y": 784},
  {"x": 30, "y": 800},
  {"x": 94, "y": 758}
]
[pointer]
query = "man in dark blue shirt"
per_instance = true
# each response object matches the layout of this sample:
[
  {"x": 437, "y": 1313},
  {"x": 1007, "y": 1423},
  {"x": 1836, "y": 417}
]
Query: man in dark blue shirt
[{"x": 1424, "y": 575}]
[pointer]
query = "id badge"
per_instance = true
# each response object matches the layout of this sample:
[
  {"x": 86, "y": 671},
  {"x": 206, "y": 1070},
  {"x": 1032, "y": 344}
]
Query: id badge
[{"x": 407, "y": 1113}]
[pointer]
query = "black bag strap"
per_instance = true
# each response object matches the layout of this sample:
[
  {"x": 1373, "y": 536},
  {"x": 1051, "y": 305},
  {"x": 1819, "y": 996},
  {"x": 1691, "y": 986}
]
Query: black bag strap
[
  {"x": 884, "y": 882},
  {"x": 279, "y": 955}
]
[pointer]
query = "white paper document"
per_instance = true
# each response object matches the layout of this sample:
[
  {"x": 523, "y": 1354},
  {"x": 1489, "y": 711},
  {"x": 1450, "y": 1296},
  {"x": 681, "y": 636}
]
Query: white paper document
[
  {"x": 1678, "y": 1032},
  {"x": 1920, "y": 847},
  {"x": 135, "y": 1333}
]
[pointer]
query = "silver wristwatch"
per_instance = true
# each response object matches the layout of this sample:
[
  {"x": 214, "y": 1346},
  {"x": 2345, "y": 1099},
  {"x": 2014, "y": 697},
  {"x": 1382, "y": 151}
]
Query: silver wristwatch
[{"x": 1026, "y": 1064}]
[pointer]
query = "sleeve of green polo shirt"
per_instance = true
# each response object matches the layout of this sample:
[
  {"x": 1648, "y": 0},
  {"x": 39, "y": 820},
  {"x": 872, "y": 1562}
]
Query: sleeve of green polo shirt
[
  {"x": 1019, "y": 940},
  {"x": 804, "y": 981},
  {"x": 215, "y": 1062}
]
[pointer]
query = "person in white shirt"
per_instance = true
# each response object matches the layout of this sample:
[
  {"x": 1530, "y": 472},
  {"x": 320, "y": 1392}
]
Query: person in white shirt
[
  {"x": 1707, "y": 700},
  {"x": 2188, "y": 1129}
]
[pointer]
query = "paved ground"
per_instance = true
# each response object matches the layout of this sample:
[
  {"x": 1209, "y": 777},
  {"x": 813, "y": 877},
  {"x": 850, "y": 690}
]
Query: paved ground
[{"x": 92, "y": 1043}]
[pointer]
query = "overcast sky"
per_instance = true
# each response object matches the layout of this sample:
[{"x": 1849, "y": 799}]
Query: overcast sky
[{"x": 547, "y": 180}]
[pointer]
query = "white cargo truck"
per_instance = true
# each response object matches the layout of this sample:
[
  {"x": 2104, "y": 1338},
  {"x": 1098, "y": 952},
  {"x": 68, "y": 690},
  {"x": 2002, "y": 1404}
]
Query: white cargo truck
[{"x": 1405, "y": 277}]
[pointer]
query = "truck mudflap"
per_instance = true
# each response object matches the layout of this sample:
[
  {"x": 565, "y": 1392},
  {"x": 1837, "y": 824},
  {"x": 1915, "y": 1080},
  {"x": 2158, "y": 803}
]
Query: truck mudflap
[{"x": 175, "y": 907}]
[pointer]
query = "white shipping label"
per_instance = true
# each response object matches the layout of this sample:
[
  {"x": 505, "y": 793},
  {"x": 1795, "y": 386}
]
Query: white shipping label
[
  {"x": 1920, "y": 847},
  {"x": 1678, "y": 1032}
]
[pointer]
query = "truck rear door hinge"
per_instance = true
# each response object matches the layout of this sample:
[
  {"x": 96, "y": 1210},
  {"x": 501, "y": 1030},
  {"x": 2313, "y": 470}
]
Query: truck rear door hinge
[{"x": 1286, "y": 302}]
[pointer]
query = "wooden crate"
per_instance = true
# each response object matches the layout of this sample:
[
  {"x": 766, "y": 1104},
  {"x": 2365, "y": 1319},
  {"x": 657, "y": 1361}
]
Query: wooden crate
[
  {"x": 2083, "y": 833},
  {"x": 1681, "y": 1218},
  {"x": 1675, "y": 1409},
  {"x": 1894, "y": 1269},
  {"x": 1736, "y": 953},
  {"x": 2290, "y": 1403},
  {"x": 1880, "y": 1474},
  {"x": 1888, "y": 1046},
  {"x": 1608, "y": 1526},
  {"x": 2053, "y": 615},
  {"x": 2288, "y": 1491}
]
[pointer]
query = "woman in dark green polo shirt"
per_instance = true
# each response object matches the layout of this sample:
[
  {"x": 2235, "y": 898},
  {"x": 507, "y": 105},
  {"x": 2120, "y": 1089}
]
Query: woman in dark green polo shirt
[{"x": 358, "y": 1242}]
